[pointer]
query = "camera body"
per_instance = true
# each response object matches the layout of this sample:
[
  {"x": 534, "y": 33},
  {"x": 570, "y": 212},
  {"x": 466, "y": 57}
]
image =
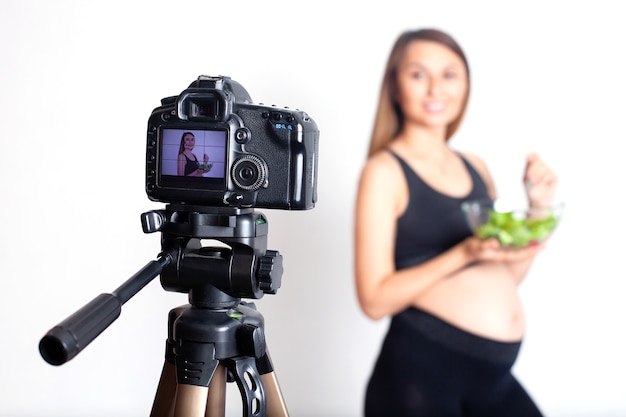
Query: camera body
[{"x": 212, "y": 146}]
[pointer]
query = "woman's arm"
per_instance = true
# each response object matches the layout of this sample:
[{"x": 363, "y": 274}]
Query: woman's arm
[
  {"x": 181, "y": 164},
  {"x": 540, "y": 183},
  {"x": 380, "y": 288}
]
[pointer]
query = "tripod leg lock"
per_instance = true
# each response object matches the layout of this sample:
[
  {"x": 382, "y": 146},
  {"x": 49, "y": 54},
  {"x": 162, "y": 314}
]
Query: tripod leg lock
[
  {"x": 195, "y": 363},
  {"x": 252, "y": 340}
]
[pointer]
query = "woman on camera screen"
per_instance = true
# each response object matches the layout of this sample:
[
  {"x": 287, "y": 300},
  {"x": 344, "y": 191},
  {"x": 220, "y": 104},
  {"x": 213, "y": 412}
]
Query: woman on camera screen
[
  {"x": 188, "y": 164},
  {"x": 456, "y": 317}
]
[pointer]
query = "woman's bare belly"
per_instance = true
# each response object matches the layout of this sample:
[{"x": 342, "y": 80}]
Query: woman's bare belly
[{"x": 480, "y": 299}]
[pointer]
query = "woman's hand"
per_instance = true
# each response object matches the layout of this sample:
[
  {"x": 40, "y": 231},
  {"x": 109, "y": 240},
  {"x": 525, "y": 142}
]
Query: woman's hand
[
  {"x": 540, "y": 182},
  {"x": 490, "y": 250}
]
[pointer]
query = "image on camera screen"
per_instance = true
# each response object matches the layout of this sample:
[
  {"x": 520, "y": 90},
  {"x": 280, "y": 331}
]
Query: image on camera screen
[{"x": 193, "y": 157}]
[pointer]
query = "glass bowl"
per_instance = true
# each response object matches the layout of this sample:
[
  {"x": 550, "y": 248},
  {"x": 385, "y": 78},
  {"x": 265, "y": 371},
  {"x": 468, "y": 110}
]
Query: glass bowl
[{"x": 513, "y": 227}]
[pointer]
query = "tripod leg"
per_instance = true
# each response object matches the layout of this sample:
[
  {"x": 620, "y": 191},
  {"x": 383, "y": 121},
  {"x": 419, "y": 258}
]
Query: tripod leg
[
  {"x": 276, "y": 406},
  {"x": 195, "y": 368},
  {"x": 216, "y": 403},
  {"x": 165, "y": 397},
  {"x": 191, "y": 400}
]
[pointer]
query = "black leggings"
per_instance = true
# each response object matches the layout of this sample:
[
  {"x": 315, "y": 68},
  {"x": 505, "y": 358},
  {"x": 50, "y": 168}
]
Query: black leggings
[{"x": 429, "y": 368}]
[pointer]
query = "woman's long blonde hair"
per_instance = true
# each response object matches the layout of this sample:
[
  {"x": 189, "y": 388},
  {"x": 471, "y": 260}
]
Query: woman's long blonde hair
[{"x": 389, "y": 117}]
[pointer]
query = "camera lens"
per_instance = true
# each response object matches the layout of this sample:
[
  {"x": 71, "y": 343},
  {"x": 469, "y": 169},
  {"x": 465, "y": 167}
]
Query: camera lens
[{"x": 249, "y": 173}]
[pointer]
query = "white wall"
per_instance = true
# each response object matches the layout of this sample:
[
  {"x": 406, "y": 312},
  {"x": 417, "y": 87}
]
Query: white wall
[{"x": 78, "y": 81}]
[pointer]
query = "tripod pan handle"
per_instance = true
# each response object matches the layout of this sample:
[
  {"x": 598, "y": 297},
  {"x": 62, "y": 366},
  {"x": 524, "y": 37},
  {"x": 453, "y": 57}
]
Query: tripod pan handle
[{"x": 72, "y": 335}]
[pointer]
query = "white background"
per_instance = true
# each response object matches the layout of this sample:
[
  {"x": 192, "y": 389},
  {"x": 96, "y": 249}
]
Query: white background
[{"x": 79, "y": 79}]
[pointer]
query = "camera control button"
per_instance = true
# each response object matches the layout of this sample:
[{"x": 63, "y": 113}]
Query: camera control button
[
  {"x": 236, "y": 199},
  {"x": 243, "y": 135}
]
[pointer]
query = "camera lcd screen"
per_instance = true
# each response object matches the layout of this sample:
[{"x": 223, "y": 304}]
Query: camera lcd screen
[{"x": 193, "y": 158}]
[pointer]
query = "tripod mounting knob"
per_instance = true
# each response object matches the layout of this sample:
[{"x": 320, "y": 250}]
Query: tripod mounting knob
[
  {"x": 270, "y": 271},
  {"x": 153, "y": 221}
]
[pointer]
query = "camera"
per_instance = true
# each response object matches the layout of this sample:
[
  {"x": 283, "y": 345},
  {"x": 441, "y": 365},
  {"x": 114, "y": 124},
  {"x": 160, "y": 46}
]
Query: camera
[{"x": 212, "y": 146}]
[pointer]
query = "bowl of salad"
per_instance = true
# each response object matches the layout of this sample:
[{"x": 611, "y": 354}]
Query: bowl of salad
[
  {"x": 513, "y": 227},
  {"x": 206, "y": 167}
]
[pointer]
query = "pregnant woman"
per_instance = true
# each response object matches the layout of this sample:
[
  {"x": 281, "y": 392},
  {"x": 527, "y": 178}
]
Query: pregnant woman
[{"x": 456, "y": 318}]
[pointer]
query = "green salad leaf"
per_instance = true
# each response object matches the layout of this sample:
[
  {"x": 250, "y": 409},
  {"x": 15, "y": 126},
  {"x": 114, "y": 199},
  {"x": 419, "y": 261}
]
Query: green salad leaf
[{"x": 517, "y": 231}]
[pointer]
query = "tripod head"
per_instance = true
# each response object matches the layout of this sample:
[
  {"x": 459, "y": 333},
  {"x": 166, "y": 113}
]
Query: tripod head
[
  {"x": 214, "y": 277},
  {"x": 244, "y": 269}
]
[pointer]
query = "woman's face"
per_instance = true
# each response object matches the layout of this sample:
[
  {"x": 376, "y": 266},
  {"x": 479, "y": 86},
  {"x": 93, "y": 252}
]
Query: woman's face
[
  {"x": 190, "y": 141},
  {"x": 432, "y": 84}
]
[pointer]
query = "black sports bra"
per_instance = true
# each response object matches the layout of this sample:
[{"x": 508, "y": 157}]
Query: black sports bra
[
  {"x": 191, "y": 165},
  {"x": 433, "y": 222}
]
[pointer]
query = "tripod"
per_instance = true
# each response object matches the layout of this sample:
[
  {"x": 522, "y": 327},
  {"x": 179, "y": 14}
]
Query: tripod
[
  {"x": 217, "y": 337},
  {"x": 204, "y": 346}
]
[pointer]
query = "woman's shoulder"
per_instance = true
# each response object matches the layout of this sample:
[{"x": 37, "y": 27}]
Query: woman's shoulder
[
  {"x": 381, "y": 172},
  {"x": 382, "y": 163},
  {"x": 382, "y": 188}
]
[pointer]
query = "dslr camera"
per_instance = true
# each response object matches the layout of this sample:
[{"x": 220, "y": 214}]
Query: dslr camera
[{"x": 212, "y": 146}]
